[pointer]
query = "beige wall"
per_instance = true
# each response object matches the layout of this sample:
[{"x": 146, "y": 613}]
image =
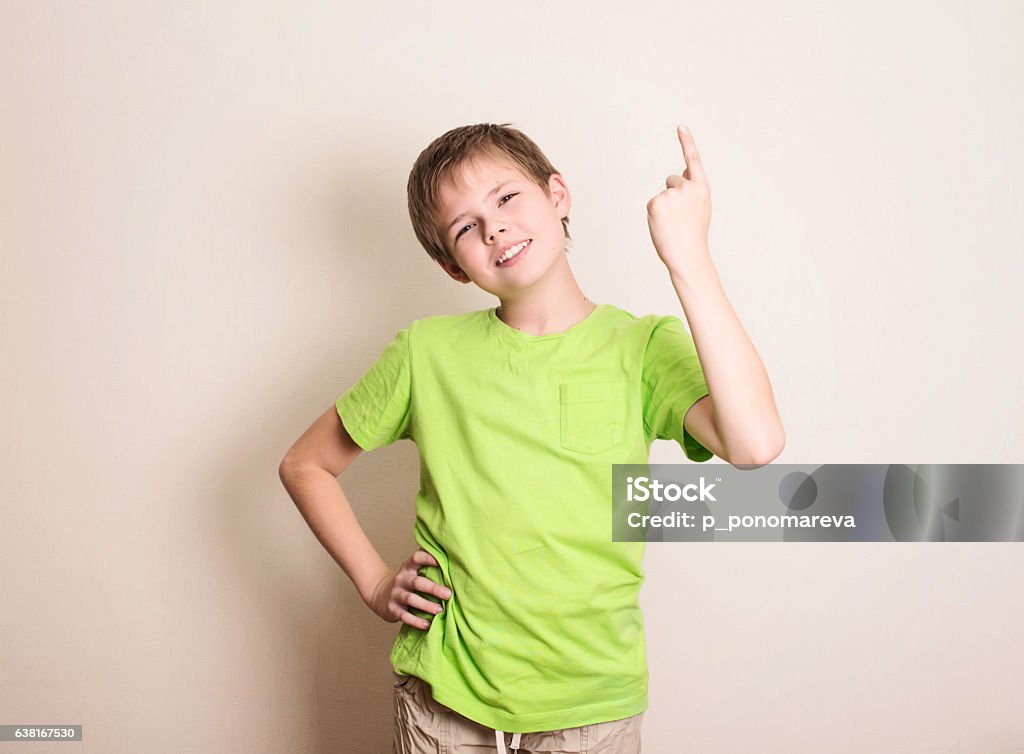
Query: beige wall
[{"x": 204, "y": 241}]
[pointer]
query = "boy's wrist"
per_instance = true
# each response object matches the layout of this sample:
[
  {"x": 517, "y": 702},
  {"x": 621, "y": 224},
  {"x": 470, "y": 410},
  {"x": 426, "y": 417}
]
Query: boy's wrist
[
  {"x": 695, "y": 277},
  {"x": 370, "y": 596}
]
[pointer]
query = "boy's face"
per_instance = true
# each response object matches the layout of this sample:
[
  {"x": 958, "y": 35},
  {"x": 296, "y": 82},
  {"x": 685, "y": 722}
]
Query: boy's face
[{"x": 478, "y": 226}]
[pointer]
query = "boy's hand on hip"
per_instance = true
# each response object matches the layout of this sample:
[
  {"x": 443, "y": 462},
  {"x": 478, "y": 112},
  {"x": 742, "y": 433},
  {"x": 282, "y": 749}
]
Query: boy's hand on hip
[
  {"x": 396, "y": 595},
  {"x": 679, "y": 216}
]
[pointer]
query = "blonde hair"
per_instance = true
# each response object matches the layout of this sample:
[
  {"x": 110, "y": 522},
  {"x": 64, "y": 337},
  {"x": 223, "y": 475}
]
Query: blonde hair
[{"x": 448, "y": 152}]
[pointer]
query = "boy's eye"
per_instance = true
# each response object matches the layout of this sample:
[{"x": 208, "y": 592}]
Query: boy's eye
[{"x": 463, "y": 229}]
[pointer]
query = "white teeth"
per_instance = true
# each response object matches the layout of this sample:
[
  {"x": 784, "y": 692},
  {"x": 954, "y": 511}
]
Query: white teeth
[{"x": 512, "y": 252}]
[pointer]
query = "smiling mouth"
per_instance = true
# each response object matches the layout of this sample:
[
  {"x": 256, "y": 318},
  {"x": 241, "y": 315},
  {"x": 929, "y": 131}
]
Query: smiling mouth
[{"x": 513, "y": 252}]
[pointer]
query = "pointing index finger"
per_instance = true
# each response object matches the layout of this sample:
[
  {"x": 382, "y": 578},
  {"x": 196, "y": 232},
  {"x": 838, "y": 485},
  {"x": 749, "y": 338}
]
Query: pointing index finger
[{"x": 694, "y": 170}]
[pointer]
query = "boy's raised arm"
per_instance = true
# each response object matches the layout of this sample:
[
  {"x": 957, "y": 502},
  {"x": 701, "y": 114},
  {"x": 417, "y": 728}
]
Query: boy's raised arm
[{"x": 740, "y": 415}]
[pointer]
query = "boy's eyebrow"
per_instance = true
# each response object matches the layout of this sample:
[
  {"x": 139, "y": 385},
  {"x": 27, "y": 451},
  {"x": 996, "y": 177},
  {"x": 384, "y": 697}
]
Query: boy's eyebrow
[{"x": 490, "y": 193}]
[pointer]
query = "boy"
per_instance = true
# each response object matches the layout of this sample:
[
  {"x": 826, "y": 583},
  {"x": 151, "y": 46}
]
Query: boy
[{"x": 526, "y": 617}]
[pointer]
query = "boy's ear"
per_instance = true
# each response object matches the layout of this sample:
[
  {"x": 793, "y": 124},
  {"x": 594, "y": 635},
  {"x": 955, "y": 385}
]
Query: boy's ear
[
  {"x": 559, "y": 192},
  {"x": 455, "y": 271}
]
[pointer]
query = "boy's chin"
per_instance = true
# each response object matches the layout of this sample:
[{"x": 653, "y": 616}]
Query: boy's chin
[
  {"x": 502, "y": 292},
  {"x": 525, "y": 280}
]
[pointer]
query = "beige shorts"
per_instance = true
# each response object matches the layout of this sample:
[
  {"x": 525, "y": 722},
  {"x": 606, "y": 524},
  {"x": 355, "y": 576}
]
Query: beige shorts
[{"x": 424, "y": 726}]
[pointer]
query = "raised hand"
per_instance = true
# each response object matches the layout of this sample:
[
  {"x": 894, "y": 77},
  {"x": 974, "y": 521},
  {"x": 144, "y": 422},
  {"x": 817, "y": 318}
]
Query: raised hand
[{"x": 679, "y": 216}]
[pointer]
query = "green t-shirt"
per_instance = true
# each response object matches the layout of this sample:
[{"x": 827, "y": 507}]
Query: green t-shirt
[{"x": 517, "y": 434}]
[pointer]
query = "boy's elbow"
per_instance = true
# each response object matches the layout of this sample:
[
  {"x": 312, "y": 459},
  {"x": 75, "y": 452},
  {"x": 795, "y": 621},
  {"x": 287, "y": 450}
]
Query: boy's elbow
[
  {"x": 762, "y": 455},
  {"x": 288, "y": 467},
  {"x": 284, "y": 470}
]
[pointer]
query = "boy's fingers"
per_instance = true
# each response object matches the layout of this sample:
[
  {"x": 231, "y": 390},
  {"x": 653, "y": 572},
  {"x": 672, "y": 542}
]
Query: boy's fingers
[
  {"x": 423, "y": 584},
  {"x": 425, "y": 558},
  {"x": 414, "y": 600},
  {"x": 691, "y": 158},
  {"x": 412, "y": 620},
  {"x": 406, "y": 615}
]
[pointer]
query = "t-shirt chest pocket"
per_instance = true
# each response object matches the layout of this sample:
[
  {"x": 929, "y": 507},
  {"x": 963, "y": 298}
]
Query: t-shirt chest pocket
[{"x": 593, "y": 415}]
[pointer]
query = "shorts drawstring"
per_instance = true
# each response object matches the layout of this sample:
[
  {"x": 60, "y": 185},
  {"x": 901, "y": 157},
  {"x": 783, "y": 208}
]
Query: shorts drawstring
[{"x": 513, "y": 745}]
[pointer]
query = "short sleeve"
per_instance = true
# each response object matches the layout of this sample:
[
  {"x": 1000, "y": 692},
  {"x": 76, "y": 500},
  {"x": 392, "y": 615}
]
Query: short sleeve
[
  {"x": 672, "y": 382},
  {"x": 375, "y": 411}
]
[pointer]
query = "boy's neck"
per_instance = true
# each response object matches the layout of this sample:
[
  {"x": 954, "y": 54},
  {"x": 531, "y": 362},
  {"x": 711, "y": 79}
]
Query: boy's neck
[{"x": 548, "y": 309}]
